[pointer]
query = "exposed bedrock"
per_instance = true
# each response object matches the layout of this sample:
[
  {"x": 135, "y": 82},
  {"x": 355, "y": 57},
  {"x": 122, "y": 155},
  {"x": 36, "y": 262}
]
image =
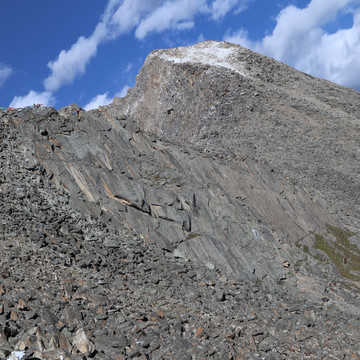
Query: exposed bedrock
[
  {"x": 202, "y": 158},
  {"x": 223, "y": 98},
  {"x": 211, "y": 213}
]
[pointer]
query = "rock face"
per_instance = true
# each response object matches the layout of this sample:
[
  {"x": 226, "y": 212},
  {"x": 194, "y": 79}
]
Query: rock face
[
  {"x": 186, "y": 220},
  {"x": 234, "y": 215},
  {"x": 229, "y": 100}
]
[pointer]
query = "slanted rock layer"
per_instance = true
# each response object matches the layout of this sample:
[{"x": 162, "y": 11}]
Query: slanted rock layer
[
  {"x": 233, "y": 215},
  {"x": 240, "y": 103},
  {"x": 173, "y": 223}
]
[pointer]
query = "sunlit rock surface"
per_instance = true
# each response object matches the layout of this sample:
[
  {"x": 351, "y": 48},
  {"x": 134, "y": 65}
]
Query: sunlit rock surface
[{"x": 212, "y": 208}]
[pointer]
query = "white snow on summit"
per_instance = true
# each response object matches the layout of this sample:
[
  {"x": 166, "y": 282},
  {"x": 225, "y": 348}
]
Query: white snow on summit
[{"x": 208, "y": 53}]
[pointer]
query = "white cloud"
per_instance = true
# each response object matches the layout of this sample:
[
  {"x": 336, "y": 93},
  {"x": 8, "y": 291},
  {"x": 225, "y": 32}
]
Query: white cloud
[
  {"x": 185, "y": 25},
  {"x": 219, "y": 8},
  {"x": 130, "y": 13},
  {"x": 299, "y": 30},
  {"x": 200, "y": 38},
  {"x": 340, "y": 55},
  {"x": 171, "y": 15},
  {"x": 300, "y": 40},
  {"x": 5, "y": 73},
  {"x": 33, "y": 97},
  {"x": 101, "y": 99},
  {"x": 123, "y": 91},
  {"x": 71, "y": 63},
  {"x": 123, "y": 16},
  {"x": 104, "y": 99},
  {"x": 119, "y": 17},
  {"x": 129, "y": 67},
  {"x": 240, "y": 37}
]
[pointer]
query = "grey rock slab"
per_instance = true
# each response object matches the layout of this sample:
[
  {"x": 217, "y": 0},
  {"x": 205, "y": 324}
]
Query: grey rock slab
[
  {"x": 241, "y": 281},
  {"x": 304, "y": 128}
]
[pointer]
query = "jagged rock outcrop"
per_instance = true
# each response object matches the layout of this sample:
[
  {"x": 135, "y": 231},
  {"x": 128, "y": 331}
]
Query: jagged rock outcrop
[{"x": 202, "y": 162}]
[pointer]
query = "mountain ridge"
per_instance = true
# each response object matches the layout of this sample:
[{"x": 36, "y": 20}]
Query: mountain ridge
[
  {"x": 282, "y": 113},
  {"x": 199, "y": 216}
]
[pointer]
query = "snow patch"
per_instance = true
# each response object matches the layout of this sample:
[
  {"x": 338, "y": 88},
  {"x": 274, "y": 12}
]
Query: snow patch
[
  {"x": 16, "y": 355},
  {"x": 207, "y": 53}
]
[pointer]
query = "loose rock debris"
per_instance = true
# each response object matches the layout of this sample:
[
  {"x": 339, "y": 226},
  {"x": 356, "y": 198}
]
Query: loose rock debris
[{"x": 116, "y": 244}]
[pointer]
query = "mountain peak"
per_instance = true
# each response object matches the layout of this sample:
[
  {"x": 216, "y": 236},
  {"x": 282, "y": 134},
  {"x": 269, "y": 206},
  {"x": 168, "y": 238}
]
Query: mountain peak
[
  {"x": 211, "y": 53},
  {"x": 297, "y": 123},
  {"x": 203, "y": 197}
]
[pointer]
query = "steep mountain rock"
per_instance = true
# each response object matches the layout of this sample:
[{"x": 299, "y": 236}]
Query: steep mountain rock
[
  {"x": 227, "y": 100},
  {"x": 225, "y": 208},
  {"x": 233, "y": 216},
  {"x": 213, "y": 157}
]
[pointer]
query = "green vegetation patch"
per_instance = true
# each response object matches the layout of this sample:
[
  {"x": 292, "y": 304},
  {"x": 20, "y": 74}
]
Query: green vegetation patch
[
  {"x": 307, "y": 251},
  {"x": 344, "y": 255}
]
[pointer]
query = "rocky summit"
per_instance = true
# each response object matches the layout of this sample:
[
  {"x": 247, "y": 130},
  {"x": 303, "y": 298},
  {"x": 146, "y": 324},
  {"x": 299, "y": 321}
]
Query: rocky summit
[{"x": 212, "y": 213}]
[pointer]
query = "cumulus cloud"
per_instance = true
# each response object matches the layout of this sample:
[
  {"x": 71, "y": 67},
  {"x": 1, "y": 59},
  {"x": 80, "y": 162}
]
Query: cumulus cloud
[
  {"x": 299, "y": 30},
  {"x": 219, "y": 8},
  {"x": 119, "y": 17},
  {"x": 241, "y": 37},
  {"x": 71, "y": 63},
  {"x": 45, "y": 98},
  {"x": 299, "y": 39},
  {"x": 5, "y": 73},
  {"x": 177, "y": 14},
  {"x": 151, "y": 16},
  {"x": 339, "y": 56},
  {"x": 129, "y": 14},
  {"x": 123, "y": 91},
  {"x": 105, "y": 99},
  {"x": 123, "y": 16},
  {"x": 101, "y": 99}
]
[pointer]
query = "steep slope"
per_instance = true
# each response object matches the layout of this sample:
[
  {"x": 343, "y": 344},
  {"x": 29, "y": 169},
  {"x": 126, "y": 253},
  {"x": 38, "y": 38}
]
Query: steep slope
[
  {"x": 73, "y": 286},
  {"x": 236, "y": 217},
  {"x": 179, "y": 213},
  {"x": 223, "y": 98},
  {"x": 230, "y": 213}
]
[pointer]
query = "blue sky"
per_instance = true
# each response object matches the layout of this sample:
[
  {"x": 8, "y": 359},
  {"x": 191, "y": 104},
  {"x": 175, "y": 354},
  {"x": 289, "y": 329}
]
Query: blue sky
[{"x": 86, "y": 52}]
